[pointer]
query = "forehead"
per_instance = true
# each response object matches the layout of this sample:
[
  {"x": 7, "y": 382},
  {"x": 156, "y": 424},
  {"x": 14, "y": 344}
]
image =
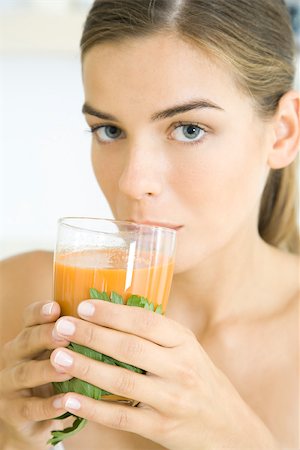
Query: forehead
[{"x": 155, "y": 71}]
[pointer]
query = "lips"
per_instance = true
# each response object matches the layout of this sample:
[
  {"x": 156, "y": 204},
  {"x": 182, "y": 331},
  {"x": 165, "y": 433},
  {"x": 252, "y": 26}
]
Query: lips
[{"x": 157, "y": 224}]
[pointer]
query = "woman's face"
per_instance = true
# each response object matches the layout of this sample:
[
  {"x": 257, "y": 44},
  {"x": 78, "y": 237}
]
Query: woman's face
[{"x": 175, "y": 142}]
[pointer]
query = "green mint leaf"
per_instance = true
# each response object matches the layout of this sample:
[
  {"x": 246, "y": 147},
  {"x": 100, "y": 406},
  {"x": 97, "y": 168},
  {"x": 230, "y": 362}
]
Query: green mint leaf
[
  {"x": 86, "y": 351},
  {"x": 116, "y": 298},
  {"x": 61, "y": 387},
  {"x": 115, "y": 362},
  {"x": 97, "y": 295},
  {"x": 79, "y": 386},
  {"x": 134, "y": 300},
  {"x": 159, "y": 309},
  {"x": 60, "y": 435},
  {"x": 144, "y": 302},
  {"x": 149, "y": 306},
  {"x": 130, "y": 367},
  {"x": 87, "y": 389},
  {"x": 109, "y": 360},
  {"x": 137, "y": 300},
  {"x": 106, "y": 392},
  {"x": 63, "y": 416}
]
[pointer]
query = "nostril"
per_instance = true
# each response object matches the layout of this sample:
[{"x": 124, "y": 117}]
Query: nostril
[{"x": 139, "y": 187}]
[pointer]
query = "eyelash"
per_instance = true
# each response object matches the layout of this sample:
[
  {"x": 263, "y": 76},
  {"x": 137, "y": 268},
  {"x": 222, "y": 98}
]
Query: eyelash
[
  {"x": 176, "y": 125},
  {"x": 195, "y": 124}
]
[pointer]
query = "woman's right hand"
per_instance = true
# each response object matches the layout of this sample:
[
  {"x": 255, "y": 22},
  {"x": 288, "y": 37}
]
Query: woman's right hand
[{"x": 27, "y": 403}]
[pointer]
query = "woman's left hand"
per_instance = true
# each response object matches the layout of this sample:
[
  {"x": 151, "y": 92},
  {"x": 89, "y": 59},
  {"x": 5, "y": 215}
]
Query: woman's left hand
[{"x": 186, "y": 401}]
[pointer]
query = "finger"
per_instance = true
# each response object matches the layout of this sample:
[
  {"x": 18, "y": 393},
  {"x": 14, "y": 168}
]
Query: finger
[
  {"x": 134, "y": 320},
  {"x": 22, "y": 410},
  {"x": 142, "y": 421},
  {"x": 124, "y": 347},
  {"x": 29, "y": 374},
  {"x": 40, "y": 312},
  {"x": 31, "y": 341},
  {"x": 114, "y": 379}
]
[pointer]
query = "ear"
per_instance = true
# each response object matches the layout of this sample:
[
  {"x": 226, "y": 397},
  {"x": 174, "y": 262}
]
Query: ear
[{"x": 286, "y": 142}]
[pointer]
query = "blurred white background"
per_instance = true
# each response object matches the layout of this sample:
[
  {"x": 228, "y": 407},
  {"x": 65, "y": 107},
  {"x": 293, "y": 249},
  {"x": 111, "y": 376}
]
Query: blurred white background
[{"x": 44, "y": 146}]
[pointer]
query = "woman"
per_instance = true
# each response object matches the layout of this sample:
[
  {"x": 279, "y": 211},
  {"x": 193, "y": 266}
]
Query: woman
[{"x": 195, "y": 125}]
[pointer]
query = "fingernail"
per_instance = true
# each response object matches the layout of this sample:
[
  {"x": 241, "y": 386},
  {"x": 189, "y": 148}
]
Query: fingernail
[
  {"x": 72, "y": 403},
  {"x": 63, "y": 359},
  {"x": 55, "y": 335},
  {"x": 47, "y": 309},
  {"x": 65, "y": 327},
  {"x": 58, "y": 403},
  {"x": 86, "y": 309}
]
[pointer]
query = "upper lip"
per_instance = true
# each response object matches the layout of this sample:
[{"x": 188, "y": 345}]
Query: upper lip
[{"x": 156, "y": 224}]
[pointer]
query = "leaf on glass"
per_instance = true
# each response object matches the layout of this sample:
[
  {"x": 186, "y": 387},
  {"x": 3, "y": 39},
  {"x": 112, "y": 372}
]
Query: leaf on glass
[
  {"x": 97, "y": 295},
  {"x": 116, "y": 298},
  {"x": 133, "y": 300},
  {"x": 137, "y": 300},
  {"x": 149, "y": 306},
  {"x": 144, "y": 302},
  {"x": 159, "y": 309}
]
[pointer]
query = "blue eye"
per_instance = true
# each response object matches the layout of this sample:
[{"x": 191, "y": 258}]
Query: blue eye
[
  {"x": 107, "y": 133},
  {"x": 188, "y": 133}
]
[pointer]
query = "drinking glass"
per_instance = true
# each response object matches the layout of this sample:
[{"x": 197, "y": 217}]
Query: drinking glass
[{"x": 116, "y": 261}]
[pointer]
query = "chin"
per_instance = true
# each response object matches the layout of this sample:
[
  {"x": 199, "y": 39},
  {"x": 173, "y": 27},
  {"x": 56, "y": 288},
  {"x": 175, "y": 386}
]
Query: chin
[{"x": 191, "y": 253}]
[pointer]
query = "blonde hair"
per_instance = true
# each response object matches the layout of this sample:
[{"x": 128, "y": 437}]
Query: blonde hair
[{"x": 255, "y": 38}]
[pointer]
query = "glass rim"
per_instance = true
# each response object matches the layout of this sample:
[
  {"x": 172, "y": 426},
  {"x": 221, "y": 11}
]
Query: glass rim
[{"x": 136, "y": 226}]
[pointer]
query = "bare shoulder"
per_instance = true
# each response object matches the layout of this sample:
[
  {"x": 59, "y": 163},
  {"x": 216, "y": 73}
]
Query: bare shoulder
[
  {"x": 284, "y": 347},
  {"x": 24, "y": 279}
]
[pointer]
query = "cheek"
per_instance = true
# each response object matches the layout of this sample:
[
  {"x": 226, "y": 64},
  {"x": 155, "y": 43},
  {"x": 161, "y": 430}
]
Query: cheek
[
  {"x": 221, "y": 196},
  {"x": 241, "y": 185},
  {"x": 106, "y": 173},
  {"x": 224, "y": 181}
]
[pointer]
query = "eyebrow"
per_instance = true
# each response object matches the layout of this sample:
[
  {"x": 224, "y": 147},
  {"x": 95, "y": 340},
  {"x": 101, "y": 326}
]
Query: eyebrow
[{"x": 170, "y": 112}]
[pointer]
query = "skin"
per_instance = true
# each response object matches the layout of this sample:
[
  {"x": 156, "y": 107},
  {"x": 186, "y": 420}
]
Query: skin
[{"x": 229, "y": 345}]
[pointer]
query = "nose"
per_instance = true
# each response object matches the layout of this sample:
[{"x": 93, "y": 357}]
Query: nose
[{"x": 142, "y": 174}]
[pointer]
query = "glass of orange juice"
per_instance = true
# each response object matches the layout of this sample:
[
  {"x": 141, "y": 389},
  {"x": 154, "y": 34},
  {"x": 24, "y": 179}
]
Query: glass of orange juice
[{"x": 116, "y": 261}]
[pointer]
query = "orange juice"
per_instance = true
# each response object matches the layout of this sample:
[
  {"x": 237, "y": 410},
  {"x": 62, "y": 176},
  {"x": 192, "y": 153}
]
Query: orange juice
[{"x": 77, "y": 272}]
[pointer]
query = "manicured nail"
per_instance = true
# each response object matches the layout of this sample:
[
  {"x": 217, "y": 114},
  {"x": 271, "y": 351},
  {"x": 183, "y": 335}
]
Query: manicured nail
[
  {"x": 72, "y": 403},
  {"x": 55, "y": 335},
  {"x": 47, "y": 309},
  {"x": 58, "y": 403},
  {"x": 63, "y": 359},
  {"x": 86, "y": 309},
  {"x": 65, "y": 327}
]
